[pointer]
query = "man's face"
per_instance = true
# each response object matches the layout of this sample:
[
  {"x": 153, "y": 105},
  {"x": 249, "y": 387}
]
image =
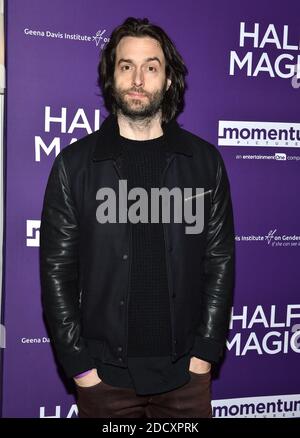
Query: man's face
[{"x": 139, "y": 79}]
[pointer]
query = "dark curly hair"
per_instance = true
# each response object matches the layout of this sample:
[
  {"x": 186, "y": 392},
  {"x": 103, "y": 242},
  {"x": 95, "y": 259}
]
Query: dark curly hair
[{"x": 173, "y": 102}]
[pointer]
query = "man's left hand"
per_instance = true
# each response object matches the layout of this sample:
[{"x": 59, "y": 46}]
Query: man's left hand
[{"x": 199, "y": 366}]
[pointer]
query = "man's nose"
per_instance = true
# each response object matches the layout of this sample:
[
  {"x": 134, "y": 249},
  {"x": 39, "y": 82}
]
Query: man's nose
[{"x": 138, "y": 78}]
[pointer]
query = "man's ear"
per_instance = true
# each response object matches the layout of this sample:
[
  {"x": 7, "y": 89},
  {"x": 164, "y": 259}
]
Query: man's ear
[{"x": 169, "y": 82}]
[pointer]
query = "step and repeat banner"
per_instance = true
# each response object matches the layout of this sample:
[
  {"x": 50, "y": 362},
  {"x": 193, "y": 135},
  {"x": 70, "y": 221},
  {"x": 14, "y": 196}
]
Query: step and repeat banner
[{"x": 243, "y": 96}]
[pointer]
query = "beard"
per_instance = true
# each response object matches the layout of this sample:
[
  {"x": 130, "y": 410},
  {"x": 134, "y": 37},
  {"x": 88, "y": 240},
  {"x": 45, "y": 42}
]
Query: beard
[{"x": 139, "y": 108}]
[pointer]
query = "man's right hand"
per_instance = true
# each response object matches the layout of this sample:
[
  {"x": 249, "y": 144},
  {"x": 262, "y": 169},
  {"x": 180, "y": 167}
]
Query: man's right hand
[{"x": 90, "y": 379}]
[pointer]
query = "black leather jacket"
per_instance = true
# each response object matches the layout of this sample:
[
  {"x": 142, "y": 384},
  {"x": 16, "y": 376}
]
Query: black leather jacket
[{"x": 84, "y": 265}]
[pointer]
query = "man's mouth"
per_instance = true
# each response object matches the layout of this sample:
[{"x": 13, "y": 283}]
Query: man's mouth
[{"x": 136, "y": 94}]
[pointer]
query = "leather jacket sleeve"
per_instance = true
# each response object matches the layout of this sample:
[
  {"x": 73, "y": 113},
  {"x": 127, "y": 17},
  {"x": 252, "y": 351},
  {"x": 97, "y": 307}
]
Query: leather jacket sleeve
[
  {"x": 59, "y": 237},
  {"x": 219, "y": 267}
]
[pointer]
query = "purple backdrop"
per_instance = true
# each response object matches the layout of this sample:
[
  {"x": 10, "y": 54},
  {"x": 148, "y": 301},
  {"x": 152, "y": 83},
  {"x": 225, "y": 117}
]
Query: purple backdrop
[{"x": 234, "y": 78}]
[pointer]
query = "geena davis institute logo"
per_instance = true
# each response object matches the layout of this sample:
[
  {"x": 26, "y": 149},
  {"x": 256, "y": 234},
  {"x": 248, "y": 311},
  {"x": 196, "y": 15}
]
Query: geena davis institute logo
[
  {"x": 99, "y": 38},
  {"x": 264, "y": 134}
]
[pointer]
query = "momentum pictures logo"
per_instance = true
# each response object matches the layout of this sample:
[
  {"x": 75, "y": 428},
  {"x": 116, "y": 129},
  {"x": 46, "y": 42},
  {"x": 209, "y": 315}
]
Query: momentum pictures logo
[{"x": 263, "y": 134}]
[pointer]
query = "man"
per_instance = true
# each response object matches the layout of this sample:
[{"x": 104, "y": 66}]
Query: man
[{"x": 138, "y": 309}]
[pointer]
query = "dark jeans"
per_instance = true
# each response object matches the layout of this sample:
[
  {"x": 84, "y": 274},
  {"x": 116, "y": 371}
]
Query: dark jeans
[{"x": 192, "y": 400}]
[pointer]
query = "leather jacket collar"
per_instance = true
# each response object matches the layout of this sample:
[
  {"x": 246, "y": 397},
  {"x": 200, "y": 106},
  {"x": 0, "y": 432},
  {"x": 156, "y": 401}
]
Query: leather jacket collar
[{"x": 108, "y": 146}]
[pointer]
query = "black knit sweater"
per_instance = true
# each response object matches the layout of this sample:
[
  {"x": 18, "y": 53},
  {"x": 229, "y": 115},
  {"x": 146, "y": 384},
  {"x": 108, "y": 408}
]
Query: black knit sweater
[{"x": 149, "y": 325}]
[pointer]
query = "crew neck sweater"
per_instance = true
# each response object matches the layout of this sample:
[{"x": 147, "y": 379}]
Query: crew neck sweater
[{"x": 149, "y": 324}]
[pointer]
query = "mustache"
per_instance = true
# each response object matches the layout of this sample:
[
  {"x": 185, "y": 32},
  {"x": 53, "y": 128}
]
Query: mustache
[{"x": 135, "y": 90}]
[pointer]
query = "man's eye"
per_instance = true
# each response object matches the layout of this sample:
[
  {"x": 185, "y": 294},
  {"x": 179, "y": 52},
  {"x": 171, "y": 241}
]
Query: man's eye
[
  {"x": 124, "y": 67},
  {"x": 151, "y": 68}
]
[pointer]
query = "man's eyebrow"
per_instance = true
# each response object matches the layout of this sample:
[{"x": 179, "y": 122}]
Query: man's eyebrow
[{"x": 130, "y": 61}]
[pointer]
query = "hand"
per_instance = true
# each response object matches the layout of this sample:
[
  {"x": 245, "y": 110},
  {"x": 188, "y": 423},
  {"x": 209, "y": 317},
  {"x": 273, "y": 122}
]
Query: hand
[
  {"x": 90, "y": 379},
  {"x": 199, "y": 366}
]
